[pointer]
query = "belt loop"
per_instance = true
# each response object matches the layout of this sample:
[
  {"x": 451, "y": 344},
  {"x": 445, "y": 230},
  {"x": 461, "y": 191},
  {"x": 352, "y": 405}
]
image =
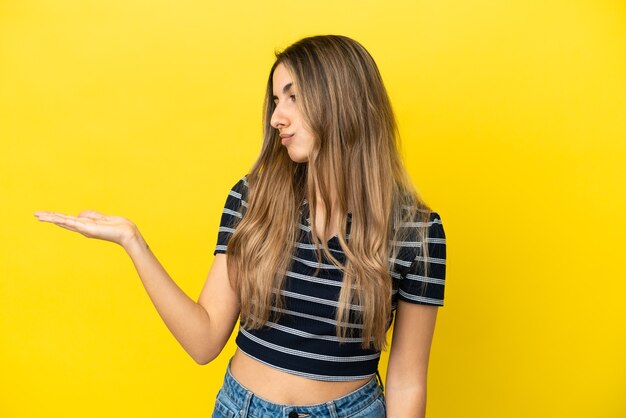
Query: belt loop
[
  {"x": 246, "y": 404},
  {"x": 332, "y": 409},
  {"x": 380, "y": 381}
]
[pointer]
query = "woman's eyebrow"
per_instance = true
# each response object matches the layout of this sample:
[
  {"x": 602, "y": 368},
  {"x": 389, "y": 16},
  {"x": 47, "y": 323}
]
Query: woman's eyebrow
[{"x": 285, "y": 90}]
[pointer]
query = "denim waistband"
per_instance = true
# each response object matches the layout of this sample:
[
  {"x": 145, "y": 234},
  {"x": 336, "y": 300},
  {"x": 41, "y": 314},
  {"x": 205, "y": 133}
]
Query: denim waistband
[{"x": 257, "y": 406}]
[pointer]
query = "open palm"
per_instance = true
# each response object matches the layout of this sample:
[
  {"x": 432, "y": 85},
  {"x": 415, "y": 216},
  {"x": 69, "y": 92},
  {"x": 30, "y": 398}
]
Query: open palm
[{"x": 92, "y": 224}]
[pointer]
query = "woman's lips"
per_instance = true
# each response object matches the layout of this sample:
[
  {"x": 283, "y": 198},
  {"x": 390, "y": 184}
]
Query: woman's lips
[{"x": 284, "y": 139}]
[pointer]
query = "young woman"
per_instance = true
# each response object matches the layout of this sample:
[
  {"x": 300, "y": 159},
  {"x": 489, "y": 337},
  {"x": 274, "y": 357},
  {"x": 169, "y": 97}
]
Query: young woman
[{"x": 319, "y": 243}]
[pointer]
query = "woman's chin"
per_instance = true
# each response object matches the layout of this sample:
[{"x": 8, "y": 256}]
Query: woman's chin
[{"x": 297, "y": 158}]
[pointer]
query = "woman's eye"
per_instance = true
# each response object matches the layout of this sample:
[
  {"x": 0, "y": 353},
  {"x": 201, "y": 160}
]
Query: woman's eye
[{"x": 293, "y": 97}]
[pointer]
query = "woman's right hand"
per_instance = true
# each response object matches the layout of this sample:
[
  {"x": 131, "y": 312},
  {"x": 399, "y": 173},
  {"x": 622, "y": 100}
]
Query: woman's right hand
[{"x": 94, "y": 225}]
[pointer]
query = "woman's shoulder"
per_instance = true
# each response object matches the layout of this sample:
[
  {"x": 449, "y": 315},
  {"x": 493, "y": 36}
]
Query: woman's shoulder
[
  {"x": 237, "y": 199},
  {"x": 416, "y": 216},
  {"x": 239, "y": 189},
  {"x": 419, "y": 224}
]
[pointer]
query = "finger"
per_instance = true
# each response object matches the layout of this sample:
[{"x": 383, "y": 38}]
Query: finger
[
  {"x": 58, "y": 218},
  {"x": 40, "y": 213},
  {"x": 71, "y": 228},
  {"x": 46, "y": 215},
  {"x": 62, "y": 221},
  {"x": 72, "y": 223},
  {"x": 92, "y": 214}
]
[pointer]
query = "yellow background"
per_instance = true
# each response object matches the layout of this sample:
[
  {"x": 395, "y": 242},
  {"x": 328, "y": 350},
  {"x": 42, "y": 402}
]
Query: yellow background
[{"x": 512, "y": 115}]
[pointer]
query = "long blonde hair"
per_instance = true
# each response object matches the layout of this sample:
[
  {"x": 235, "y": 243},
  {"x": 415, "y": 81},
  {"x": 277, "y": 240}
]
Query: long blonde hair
[{"x": 346, "y": 106}]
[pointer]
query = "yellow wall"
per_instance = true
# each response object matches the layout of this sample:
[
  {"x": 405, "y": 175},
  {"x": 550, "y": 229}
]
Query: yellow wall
[{"x": 513, "y": 120}]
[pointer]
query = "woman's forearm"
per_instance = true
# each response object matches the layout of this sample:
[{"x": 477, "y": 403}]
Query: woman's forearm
[
  {"x": 187, "y": 320},
  {"x": 405, "y": 402}
]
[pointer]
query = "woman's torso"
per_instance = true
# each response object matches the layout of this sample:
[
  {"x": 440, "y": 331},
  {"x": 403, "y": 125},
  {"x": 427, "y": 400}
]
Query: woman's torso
[
  {"x": 281, "y": 387},
  {"x": 284, "y": 388}
]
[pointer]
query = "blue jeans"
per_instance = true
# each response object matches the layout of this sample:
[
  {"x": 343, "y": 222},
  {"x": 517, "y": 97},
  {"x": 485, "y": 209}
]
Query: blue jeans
[{"x": 234, "y": 400}]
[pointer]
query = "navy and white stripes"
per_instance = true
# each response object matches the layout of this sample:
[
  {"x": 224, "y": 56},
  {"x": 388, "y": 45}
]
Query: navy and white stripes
[{"x": 304, "y": 341}]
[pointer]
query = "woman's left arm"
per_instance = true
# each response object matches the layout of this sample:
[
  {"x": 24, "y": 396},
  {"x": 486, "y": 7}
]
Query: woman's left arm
[{"x": 405, "y": 386}]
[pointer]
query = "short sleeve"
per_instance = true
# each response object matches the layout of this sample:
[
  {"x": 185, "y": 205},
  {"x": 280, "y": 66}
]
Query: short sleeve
[
  {"x": 428, "y": 287},
  {"x": 233, "y": 212}
]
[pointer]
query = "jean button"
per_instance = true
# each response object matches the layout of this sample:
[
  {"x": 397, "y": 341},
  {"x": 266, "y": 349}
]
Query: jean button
[{"x": 293, "y": 414}]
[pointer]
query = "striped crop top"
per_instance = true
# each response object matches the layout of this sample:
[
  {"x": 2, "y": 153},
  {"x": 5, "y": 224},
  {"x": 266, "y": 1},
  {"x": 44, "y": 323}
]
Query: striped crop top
[{"x": 303, "y": 342}]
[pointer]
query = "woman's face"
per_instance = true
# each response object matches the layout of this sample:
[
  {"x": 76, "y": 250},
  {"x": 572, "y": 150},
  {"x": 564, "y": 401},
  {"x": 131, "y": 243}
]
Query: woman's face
[{"x": 287, "y": 119}]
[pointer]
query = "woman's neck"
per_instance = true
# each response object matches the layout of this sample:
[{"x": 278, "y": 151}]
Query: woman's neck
[{"x": 319, "y": 207}]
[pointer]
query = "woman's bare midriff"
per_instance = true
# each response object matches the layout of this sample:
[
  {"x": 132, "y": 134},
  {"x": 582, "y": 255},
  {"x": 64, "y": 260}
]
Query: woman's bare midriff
[{"x": 280, "y": 387}]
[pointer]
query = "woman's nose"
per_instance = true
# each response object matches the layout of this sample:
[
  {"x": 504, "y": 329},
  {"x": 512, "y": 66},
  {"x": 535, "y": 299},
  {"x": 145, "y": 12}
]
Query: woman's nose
[{"x": 279, "y": 119}]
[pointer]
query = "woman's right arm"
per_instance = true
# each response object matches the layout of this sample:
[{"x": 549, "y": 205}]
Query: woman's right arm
[{"x": 202, "y": 328}]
